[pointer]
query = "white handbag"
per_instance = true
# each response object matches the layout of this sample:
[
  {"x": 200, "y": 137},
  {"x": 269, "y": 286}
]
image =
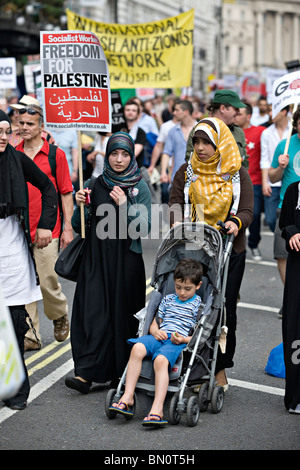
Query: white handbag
[{"x": 12, "y": 374}]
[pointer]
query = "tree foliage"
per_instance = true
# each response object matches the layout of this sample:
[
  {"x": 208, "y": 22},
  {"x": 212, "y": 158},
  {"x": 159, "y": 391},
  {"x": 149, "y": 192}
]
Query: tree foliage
[{"x": 44, "y": 9}]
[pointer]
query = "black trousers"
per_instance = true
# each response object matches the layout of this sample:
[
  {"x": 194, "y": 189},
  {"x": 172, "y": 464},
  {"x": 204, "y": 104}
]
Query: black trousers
[
  {"x": 18, "y": 315},
  {"x": 234, "y": 280}
]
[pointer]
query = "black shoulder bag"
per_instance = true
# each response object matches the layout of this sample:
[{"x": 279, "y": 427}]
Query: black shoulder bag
[{"x": 68, "y": 261}]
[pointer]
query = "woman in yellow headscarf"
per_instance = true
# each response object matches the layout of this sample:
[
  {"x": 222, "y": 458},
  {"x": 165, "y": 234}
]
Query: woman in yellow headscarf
[
  {"x": 215, "y": 161},
  {"x": 214, "y": 186}
]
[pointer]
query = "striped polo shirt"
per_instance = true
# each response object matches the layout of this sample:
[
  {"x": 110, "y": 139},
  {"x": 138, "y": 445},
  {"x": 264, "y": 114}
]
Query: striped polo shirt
[{"x": 177, "y": 315}]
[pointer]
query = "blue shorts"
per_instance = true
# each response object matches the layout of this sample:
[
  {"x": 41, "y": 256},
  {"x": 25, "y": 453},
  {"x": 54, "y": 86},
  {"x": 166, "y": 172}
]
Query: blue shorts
[{"x": 155, "y": 347}]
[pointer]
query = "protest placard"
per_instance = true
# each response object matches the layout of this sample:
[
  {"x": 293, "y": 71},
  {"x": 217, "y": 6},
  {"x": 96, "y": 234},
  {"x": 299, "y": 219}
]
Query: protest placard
[
  {"x": 12, "y": 373},
  {"x": 271, "y": 75},
  {"x": 28, "y": 70},
  {"x": 8, "y": 73},
  {"x": 37, "y": 83},
  {"x": 286, "y": 91},
  {"x": 75, "y": 81},
  {"x": 158, "y": 54},
  {"x": 76, "y": 87},
  {"x": 117, "y": 118}
]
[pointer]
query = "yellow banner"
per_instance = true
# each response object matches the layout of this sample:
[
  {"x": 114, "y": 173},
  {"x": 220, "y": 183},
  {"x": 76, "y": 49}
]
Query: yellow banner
[{"x": 146, "y": 55}]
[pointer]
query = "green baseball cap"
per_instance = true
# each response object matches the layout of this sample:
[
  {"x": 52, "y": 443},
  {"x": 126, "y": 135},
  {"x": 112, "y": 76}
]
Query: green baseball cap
[{"x": 228, "y": 97}]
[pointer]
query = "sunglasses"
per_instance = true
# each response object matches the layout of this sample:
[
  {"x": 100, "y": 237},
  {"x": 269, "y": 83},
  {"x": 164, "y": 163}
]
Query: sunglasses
[{"x": 31, "y": 111}]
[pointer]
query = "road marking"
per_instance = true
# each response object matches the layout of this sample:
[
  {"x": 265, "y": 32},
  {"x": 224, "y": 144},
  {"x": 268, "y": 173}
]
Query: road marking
[
  {"x": 258, "y": 307},
  {"x": 148, "y": 290},
  {"x": 42, "y": 386},
  {"x": 42, "y": 352},
  {"x": 269, "y": 234},
  {"x": 50, "y": 359},
  {"x": 257, "y": 387},
  {"x": 262, "y": 263}
]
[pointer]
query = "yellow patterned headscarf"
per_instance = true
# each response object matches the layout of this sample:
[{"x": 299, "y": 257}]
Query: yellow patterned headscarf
[{"x": 211, "y": 188}]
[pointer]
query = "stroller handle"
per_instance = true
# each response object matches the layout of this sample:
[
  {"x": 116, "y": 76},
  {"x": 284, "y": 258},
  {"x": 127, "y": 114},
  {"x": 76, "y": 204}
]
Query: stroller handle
[
  {"x": 224, "y": 230},
  {"x": 230, "y": 239},
  {"x": 222, "y": 225}
]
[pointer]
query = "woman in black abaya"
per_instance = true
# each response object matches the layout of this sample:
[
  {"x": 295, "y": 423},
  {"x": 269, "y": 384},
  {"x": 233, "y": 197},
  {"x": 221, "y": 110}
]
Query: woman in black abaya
[
  {"x": 290, "y": 225},
  {"x": 18, "y": 278},
  {"x": 111, "y": 282}
]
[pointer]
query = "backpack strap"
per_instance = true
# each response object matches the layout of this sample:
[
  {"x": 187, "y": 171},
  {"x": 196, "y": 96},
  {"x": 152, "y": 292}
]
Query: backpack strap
[
  {"x": 52, "y": 159},
  {"x": 52, "y": 163}
]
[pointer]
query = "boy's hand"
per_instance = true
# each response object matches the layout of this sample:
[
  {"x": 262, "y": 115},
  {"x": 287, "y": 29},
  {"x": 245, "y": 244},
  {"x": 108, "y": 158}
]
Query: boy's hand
[
  {"x": 176, "y": 338},
  {"x": 160, "y": 335}
]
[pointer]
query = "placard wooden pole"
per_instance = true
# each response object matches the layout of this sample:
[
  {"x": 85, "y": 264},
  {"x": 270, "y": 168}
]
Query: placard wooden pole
[{"x": 81, "y": 183}]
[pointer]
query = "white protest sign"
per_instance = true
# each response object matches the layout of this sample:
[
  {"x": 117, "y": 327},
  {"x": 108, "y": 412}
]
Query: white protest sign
[
  {"x": 12, "y": 372},
  {"x": 75, "y": 81},
  {"x": 272, "y": 75},
  {"x": 37, "y": 82},
  {"x": 8, "y": 73},
  {"x": 28, "y": 76},
  {"x": 286, "y": 91}
]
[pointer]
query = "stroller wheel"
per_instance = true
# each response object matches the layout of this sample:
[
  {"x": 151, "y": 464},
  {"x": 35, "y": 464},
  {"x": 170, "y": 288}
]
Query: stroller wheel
[
  {"x": 217, "y": 399},
  {"x": 192, "y": 411},
  {"x": 203, "y": 397},
  {"x": 174, "y": 415},
  {"x": 108, "y": 402}
]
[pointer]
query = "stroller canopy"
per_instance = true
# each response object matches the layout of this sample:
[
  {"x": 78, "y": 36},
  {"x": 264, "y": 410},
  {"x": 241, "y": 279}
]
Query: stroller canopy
[{"x": 198, "y": 241}]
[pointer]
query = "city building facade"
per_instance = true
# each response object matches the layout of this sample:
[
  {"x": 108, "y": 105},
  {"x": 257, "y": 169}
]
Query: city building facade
[{"x": 258, "y": 34}]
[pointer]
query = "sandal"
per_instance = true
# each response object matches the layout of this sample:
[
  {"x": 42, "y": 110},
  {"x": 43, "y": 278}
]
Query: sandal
[
  {"x": 223, "y": 379},
  {"x": 127, "y": 410},
  {"x": 154, "y": 422}
]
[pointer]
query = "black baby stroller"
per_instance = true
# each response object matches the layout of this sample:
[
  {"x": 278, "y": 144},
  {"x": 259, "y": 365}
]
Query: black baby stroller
[{"x": 195, "y": 367}]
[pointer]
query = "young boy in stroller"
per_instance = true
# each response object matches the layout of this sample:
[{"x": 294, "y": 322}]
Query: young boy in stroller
[{"x": 177, "y": 316}]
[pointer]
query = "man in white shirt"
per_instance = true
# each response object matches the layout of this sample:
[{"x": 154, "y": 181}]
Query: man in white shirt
[
  {"x": 159, "y": 146},
  {"x": 148, "y": 124},
  {"x": 262, "y": 114},
  {"x": 269, "y": 141},
  {"x": 157, "y": 152},
  {"x": 175, "y": 145}
]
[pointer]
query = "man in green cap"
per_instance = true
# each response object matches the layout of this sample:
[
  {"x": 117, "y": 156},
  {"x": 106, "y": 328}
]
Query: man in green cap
[{"x": 225, "y": 106}]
